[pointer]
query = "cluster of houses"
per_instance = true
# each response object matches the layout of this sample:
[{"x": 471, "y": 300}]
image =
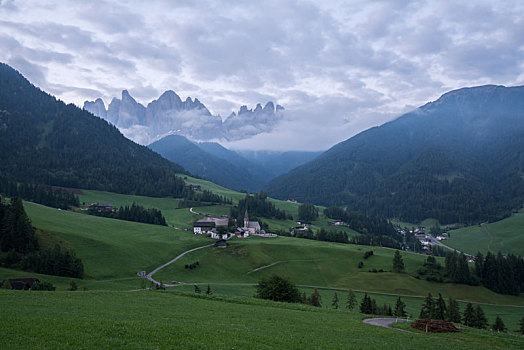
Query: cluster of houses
[
  {"x": 102, "y": 208},
  {"x": 211, "y": 225}
]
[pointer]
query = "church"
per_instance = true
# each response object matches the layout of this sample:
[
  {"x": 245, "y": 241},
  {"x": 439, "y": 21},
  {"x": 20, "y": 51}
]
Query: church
[{"x": 253, "y": 227}]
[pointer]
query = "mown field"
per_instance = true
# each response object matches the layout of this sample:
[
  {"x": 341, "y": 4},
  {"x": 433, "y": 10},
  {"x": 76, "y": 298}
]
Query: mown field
[
  {"x": 184, "y": 321},
  {"x": 506, "y": 236}
]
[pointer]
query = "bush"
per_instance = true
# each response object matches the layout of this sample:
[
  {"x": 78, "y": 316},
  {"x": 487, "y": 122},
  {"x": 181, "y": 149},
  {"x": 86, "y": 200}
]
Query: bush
[
  {"x": 277, "y": 288},
  {"x": 43, "y": 285}
]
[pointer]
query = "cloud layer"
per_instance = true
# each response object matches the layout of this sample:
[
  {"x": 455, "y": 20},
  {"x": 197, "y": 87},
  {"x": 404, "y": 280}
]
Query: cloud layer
[{"x": 337, "y": 66}]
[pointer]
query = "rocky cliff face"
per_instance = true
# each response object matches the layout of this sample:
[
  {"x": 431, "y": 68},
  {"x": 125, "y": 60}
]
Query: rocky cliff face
[{"x": 170, "y": 115}]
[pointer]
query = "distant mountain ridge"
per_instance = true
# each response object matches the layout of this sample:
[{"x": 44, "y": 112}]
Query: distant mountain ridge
[
  {"x": 458, "y": 159},
  {"x": 169, "y": 115},
  {"x": 231, "y": 169}
]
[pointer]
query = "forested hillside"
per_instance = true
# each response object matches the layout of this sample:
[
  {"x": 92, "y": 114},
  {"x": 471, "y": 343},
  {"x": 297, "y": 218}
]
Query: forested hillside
[
  {"x": 458, "y": 159},
  {"x": 43, "y": 140}
]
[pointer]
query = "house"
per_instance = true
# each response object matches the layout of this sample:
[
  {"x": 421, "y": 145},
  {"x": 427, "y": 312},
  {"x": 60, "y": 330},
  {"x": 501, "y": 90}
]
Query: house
[
  {"x": 337, "y": 223},
  {"x": 252, "y": 227},
  {"x": 102, "y": 207},
  {"x": 192, "y": 187},
  {"x": 203, "y": 227},
  {"x": 21, "y": 283}
]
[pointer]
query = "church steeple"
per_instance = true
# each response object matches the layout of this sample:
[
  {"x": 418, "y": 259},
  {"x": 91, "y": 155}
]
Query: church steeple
[{"x": 246, "y": 219}]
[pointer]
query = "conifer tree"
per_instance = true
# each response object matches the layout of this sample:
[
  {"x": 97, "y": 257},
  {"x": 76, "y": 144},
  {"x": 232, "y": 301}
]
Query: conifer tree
[
  {"x": 521, "y": 324},
  {"x": 351, "y": 300},
  {"x": 365, "y": 305},
  {"x": 398, "y": 264},
  {"x": 499, "y": 326},
  {"x": 453, "y": 312},
  {"x": 481, "y": 321},
  {"x": 334, "y": 303},
  {"x": 428, "y": 308},
  {"x": 440, "y": 308},
  {"x": 208, "y": 291},
  {"x": 400, "y": 308},
  {"x": 470, "y": 317},
  {"x": 197, "y": 289}
]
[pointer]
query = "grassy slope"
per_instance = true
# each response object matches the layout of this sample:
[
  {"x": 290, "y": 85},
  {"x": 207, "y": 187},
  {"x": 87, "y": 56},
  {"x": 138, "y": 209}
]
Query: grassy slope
[
  {"x": 506, "y": 235},
  {"x": 112, "y": 249},
  {"x": 317, "y": 263},
  {"x": 175, "y": 320}
]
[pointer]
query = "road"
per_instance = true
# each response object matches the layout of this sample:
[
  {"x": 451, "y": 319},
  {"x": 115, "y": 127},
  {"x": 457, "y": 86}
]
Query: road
[
  {"x": 149, "y": 276},
  {"x": 439, "y": 243},
  {"x": 385, "y": 322}
]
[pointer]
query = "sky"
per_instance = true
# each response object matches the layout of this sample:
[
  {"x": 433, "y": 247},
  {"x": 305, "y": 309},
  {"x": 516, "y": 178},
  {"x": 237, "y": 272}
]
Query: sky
[{"x": 338, "y": 67}]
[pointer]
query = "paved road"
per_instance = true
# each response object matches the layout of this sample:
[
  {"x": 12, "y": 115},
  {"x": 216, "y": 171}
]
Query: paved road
[
  {"x": 437, "y": 242},
  {"x": 385, "y": 322},
  {"x": 149, "y": 276}
]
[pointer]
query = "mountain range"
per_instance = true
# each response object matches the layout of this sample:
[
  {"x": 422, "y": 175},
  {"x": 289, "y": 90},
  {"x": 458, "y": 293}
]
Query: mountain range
[
  {"x": 457, "y": 159},
  {"x": 170, "y": 115},
  {"x": 239, "y": 170}
]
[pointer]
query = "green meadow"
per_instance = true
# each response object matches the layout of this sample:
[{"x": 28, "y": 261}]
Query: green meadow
[
  {"x": 179, "y": 320},
  {"x": 506, "y": 235}
]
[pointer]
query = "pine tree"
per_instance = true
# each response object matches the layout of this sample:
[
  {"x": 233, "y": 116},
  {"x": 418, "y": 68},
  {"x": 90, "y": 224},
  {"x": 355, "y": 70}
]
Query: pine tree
[
  {"x": 428, "y": 308},
  {"x": 73, "y": 286},
  {"x": 453, "y": 312},
  {"x": 315, "y": 299},
  {"x": 498, "y": 326},
  {"x": 334, "y": 303},
  {"x": 398, "y": 264},
  {"x": 481, "y": 321},
  {"x": 365, "y": 305},
  {"x": 400, "y": 308},
  {"x": 351, "y": 300},
  {"x": 197, "y": 289},
  {"x": 470, "y": 317},
  {"x": 521, "y": 324},
  {"x": 208, "y": 291},
  {"x": 440, "y": 308}
]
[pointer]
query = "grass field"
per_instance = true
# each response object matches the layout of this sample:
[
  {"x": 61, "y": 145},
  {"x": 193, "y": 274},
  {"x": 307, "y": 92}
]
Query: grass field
[
  {"x": 185, "y": 321},
  {"x": 506, "y": 235}
]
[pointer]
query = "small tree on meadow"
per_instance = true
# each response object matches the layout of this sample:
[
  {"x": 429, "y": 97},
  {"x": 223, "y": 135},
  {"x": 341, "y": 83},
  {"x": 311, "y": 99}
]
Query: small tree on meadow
[
  {"x": 277, "y": 288},
  {"x": 366, "y": 306},
  {"x": 351, "y": 300},
  {"x": 498, "y": 326},
  {"x": 315, "y": 299},
  {"x": 334, "y": 303},
  {"x": 428, "y": 308},
  {"x": 482, "y": 322},
  {"x": 521, "y": 324},
  {"x": 440, "y": 308},
  {"x": 398, "y": 263},
  {"x": 469, "y": 317},
  {"x": 72, "y": 286},
  {"x": 208, "y": 291},
  {"x": 400, "y": 308},
  {"x": 453, "y": 312},
  {"x": 197, "y": 289}
]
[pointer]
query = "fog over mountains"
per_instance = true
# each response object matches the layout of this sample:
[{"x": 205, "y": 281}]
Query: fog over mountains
[{"x": 169, "y": 115}]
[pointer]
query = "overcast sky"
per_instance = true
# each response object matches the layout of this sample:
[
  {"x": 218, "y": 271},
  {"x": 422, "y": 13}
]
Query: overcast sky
[{"x": 338, "y": 67}]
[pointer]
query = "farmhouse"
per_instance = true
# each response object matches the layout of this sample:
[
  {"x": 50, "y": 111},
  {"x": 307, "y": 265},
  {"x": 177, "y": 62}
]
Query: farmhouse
[
  {"x": 101, "y": 208},
  {"x": 21, "y": 283},
  {"x": 203, "y": 227},
  {"x": 193, "y": 187}
]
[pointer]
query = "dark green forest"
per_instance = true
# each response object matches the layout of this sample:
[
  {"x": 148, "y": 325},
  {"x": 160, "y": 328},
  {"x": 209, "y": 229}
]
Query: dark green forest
[
  {"x": 41, "y": 194},
  {"x": 135, "y": 212}
]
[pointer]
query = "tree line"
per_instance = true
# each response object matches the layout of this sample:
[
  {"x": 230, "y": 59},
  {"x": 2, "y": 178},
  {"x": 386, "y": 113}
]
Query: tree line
[
  {"x": 135, "y": 212},
  {"x": 257, "y": 205},
  {"x": 18, "y": 239},
  {"x": 41, "y": 194}
]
